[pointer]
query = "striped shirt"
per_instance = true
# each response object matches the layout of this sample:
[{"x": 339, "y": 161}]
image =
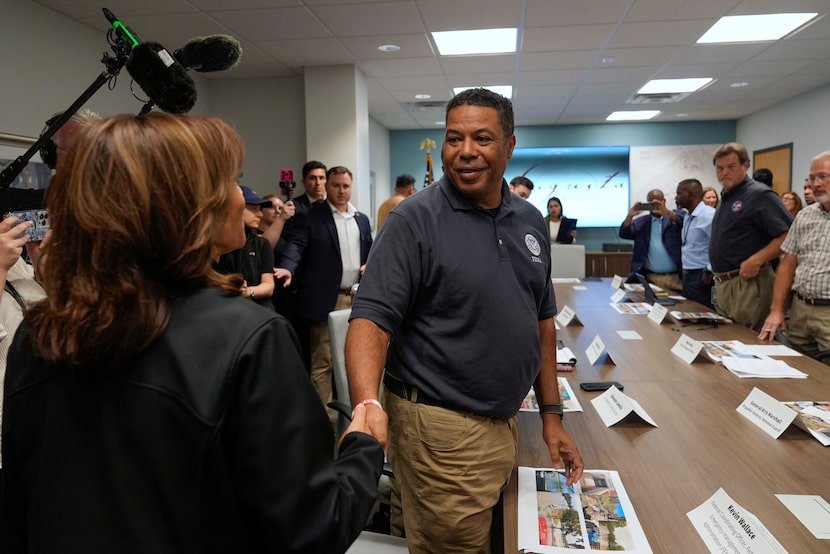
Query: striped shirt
[{"x": 808, "y": 241}]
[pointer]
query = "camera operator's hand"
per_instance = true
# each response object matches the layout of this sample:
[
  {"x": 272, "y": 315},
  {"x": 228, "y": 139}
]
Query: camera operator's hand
[
  {"x": 288, "y": 210},
  {"x": 660, "y": 207},
  {"x": 12, "y": 239}
]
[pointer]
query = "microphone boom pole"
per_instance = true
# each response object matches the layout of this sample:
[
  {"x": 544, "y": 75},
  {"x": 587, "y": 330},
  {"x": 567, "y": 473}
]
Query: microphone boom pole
[{"x": 113, "y": 67}]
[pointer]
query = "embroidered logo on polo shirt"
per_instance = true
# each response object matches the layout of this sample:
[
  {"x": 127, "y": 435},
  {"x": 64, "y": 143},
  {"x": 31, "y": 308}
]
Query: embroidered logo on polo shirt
[
  {"x": 737, "y": 205},
  {"x": 532, "y": 244}
]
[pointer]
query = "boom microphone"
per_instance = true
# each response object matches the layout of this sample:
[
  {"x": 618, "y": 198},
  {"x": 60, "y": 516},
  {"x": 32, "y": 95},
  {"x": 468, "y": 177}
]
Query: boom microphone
[
  {"x": 164, "y": 80},
  {"x": 158, "y": 73},
  {"x": 210, "y": 53}
]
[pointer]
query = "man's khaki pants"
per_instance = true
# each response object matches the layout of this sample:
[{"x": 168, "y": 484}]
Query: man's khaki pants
[{"x": 450, "y": 469}]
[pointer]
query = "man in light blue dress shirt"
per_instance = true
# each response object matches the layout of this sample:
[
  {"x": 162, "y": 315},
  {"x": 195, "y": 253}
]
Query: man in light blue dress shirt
[{"x": 695, "y": 236}]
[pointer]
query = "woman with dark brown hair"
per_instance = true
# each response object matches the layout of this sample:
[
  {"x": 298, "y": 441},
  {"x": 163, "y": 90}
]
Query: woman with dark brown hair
[{"x": 148, "y": 407}]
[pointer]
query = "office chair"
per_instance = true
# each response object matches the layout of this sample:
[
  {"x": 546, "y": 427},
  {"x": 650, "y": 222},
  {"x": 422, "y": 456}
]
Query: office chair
[{"x": 338, "y": 327}]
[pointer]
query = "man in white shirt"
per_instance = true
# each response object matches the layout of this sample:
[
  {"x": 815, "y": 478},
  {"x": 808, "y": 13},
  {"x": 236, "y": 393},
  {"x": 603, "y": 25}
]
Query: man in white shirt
[{"x": 325, "y": 257}]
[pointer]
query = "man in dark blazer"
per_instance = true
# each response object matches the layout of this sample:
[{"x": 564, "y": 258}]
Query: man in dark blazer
[
  {"x": 324, "y": 258},
  {"x": 658, "y": 260}
]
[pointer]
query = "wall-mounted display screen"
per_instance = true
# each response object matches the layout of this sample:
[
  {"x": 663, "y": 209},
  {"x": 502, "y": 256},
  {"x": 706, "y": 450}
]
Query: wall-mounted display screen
[{"x": 592, "y": 182}]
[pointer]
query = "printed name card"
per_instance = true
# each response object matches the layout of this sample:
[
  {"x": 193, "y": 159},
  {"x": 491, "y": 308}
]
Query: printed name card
[
  {"x": 688, "y": 349},
  {"x": 658, "y": 313},
  {"x": 617, "y": 282},
  {"x": 811, "y": 510},
  {"x": 567, "y": 316},
  {"x": 617, "y": 296},
  {"x": 767, "y": 413},
  {"x": 595, "y": 350},
  {"x": 613, "y": 406},
  {"x": 725, "y": 526}
]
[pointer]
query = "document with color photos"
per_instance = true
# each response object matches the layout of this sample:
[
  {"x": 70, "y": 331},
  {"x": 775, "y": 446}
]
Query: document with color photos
[
  {"x": 593, "y": 514},
  {"x": 813, "y": 417},
  {"x": 567, "y": 399}
]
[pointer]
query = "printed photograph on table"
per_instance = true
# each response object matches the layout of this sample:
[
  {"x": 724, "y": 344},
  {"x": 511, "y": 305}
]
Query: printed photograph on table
[
  {"x": 813, "y": 417},
  {"x": 605, "y": 520},
  {"x": 593, "y": 520},
  {"x": 716, "y": 350},
  {"x": 567, "y": 399},
  {"x": 558, "y": 507},
  {"x": 593, "y": 514}
]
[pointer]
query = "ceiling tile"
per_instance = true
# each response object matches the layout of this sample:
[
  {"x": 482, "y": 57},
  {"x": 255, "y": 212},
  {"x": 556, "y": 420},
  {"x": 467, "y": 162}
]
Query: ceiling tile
[
  {"x": 415, "y": 67},
  {"x": 458, "y": 65},
  {"x": 302, "y": 52},
  {"x": 366, "y": 48},
  {"x": 547, "y": 61},
  {"x": 660, "y": 33},
  {"x": 456, "y": 15},
  {"x": 274, "y": 24},
  {"x": 354, "y": 20},
  {"x": 544, "y": 13},
  {"x": 578, "y": 37}
]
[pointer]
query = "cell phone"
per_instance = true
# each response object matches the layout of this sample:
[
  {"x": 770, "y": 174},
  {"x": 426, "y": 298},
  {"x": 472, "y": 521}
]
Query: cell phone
[
  {"x": 287, "y": 183},
  {"x": 40, "y": 219},
  {"x": 647, "y": 206},
  {"x": 600, "y": 385}
]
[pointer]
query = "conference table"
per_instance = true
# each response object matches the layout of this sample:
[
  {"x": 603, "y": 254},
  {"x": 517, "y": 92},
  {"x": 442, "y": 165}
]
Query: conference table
[{"x": 701, "y": 443}]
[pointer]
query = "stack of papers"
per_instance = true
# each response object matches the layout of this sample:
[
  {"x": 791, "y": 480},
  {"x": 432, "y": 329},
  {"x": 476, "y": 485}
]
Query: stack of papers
[{"x": 760, "y": 367}]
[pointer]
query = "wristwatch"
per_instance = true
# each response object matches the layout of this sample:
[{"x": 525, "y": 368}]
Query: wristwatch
[
  {"x": 551, "y": 409},
  {"x": 251, "y": 292}
]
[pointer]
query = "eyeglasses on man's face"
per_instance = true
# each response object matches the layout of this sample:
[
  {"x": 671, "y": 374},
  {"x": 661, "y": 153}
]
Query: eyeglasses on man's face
[{"x": 820, "y": 177}]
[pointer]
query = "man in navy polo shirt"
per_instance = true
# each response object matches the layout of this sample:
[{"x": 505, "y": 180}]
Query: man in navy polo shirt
[
  {"x": 457, "y": 304},
  {"x": 749, "y": 226}
]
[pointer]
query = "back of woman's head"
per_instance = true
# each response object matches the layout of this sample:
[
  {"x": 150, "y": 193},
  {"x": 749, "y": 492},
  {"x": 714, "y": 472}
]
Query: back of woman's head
[{"x": 135, "y": 208}]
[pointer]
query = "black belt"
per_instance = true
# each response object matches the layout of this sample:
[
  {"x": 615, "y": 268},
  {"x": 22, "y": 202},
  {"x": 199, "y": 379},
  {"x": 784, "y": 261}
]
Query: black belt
[
  {"x": 413, "y": 394},
  {"x": 726, "y": 275},
  {"x": 815, "y": 301}
]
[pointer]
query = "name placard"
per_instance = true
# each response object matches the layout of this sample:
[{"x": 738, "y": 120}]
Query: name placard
[
  {"x": 658, "y": 313},
  {"x": 595, "y": 350},
  {"x": 767, "y": 413},
  {"x": 567, "y": 316},
  {"x": 688, "y": 349},
  {"x": 614, "y": 405},
  {"x": 725, "y": 526},
  {"x": 617, "y": 282}
]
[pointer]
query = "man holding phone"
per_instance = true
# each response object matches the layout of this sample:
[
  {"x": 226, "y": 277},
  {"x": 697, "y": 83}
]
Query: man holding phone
[{"x": 657, "y": 241}]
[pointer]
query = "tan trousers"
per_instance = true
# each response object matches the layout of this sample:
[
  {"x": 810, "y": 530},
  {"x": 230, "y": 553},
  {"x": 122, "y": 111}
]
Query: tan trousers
[
  {"x": 450, "y": 469},
  {"x": 809, "y": 328},
  {"x": 321, "y": 369},
  {"x": 746, "y": 301}
]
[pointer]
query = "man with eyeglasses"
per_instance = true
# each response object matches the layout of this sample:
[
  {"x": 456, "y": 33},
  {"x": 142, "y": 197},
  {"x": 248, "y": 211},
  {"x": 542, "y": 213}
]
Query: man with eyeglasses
[
  {"x": 749, "y": 226},
  {"x": 805, "y": 269}
]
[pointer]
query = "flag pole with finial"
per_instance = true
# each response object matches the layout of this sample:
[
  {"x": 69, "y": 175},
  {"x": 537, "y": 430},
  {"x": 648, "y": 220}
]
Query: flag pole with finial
[{"x": 428, "y": 144}]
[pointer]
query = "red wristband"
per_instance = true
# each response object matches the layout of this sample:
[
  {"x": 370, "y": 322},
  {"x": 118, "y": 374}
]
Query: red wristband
[{"x": 367, "y": 402}]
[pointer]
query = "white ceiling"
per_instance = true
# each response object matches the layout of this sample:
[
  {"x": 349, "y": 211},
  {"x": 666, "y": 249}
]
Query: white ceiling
[{"x": 558, "y": 75}]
